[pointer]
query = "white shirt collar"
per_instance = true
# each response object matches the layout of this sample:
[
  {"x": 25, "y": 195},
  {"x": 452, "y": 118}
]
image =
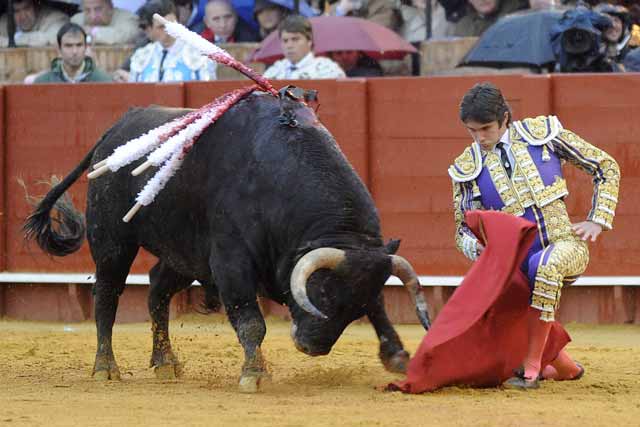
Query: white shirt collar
[
  {"x": 505, "y": 138},
  {"x": 304, "y": 61}
]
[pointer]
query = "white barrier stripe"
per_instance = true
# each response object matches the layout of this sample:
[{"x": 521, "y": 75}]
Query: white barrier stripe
[{"x": 427, "y": 281}]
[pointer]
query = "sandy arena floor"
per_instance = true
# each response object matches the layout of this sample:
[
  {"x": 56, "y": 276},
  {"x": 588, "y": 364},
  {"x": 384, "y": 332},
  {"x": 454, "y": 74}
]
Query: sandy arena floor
[{"x": 45, "y": 380}]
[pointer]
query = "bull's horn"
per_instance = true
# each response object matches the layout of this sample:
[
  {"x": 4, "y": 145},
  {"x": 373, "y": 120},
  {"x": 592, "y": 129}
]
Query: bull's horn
[
  {"x": 314, "y": 260},
  {"x": 404, "y": 271}
]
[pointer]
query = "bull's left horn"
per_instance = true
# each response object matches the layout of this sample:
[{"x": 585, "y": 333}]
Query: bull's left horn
[
  {"x": 404, "y": 271},
  {"x": 314, "y": 260}
]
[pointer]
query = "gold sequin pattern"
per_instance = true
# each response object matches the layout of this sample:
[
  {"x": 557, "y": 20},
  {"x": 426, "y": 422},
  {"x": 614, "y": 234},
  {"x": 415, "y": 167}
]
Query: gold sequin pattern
[
  {"x": 466, "y": 242},
  {"x": 595, "y": 162},
  {"x": 557, "y": 222},
  {"x": 468, "y": 167},
  {"x": 568, "y": 258},
  {"x": 503, "y": 184},
  {"x": 542, "y": 194}
]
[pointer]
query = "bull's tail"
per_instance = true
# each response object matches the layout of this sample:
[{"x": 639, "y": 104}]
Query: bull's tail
[{"x": 63, "y": 233}]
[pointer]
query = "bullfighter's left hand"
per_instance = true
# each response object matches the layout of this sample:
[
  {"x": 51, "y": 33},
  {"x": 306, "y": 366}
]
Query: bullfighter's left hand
[{"x": 587, "y": 230}]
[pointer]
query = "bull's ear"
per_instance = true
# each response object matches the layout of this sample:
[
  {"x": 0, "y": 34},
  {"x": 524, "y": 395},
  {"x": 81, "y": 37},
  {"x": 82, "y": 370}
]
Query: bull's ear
[{"x": 393, "y": 246}]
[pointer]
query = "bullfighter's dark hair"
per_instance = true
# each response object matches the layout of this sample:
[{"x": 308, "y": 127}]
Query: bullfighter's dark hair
[
  {"x": 296, "y": 24},
  {"x": 161, "y": 7},
  {"x": 72, "y": 28},
  {"x": 484, "y": 103}
]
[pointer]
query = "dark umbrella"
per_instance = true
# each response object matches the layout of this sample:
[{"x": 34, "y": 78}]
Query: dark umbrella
[
  {"x": 517, "y": 40},
  {"x": 336, "y": 33}
]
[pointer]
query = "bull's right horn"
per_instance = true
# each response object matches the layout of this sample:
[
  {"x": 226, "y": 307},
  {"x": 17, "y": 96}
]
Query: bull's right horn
[
  {"x": 312, "y": 261},
  {"x": 404, "y": 271}
]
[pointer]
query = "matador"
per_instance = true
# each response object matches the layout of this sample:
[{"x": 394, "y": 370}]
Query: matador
[{"x": 516, "y": 167}]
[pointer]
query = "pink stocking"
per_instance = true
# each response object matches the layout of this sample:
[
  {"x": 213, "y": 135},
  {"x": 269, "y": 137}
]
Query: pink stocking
[
  {"x": 538, "y": 333},
  {"x": 562, "y": 368}
]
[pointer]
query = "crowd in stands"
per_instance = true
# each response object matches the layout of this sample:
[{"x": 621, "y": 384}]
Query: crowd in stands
[{"x": 74, "y": 27}]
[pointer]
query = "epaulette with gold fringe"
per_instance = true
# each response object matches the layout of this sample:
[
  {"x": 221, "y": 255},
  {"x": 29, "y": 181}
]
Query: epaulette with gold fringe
[
  {"x": 536, "y": 131},
  {"x": 468, "y": 165}
]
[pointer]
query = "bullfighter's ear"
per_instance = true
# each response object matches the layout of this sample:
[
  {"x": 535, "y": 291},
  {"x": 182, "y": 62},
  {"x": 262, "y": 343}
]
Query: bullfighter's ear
[{"x": 392, "y": 246}]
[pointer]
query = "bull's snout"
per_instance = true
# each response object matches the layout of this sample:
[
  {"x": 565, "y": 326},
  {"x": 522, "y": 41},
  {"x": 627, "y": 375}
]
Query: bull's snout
[{"x": 304, "y": 347}]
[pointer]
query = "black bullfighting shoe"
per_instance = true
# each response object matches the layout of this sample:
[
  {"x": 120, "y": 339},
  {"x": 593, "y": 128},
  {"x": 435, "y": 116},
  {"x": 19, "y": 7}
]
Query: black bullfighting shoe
[
  {"x": 519, "y": 372},
  {"x": 579, "y": 374},
  {"x": 520, "y": 382}
]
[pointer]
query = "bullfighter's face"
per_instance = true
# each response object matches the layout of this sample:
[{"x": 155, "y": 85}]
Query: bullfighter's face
[{"x": 487, "y": 134}]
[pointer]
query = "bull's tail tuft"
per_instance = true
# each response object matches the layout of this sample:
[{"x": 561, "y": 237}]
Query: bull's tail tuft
[{"x": 61, "y": 234}]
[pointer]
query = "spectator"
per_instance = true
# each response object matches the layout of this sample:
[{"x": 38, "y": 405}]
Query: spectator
[
  {"x": 269, "y": 16},
  {"x": 383, "y": 12},
  {"x": 357, "y": 64},
  {"x": 632, "y": 61},
  {"x": 414, "y": 27},
  {"x": 296, "y": 37},
  {"x": 223, "y": 25},
  {"x": 145, "y": 19},
  {"x": 36, "y": 24},
  {"x": 166, "y": 59},
  {"x": 130, "y": 5},
  {"x": 191, "y": 14},
  {"x": 105, "y": 24},
  {"x": 619, "y": 36},
  {"x": 481, "y": 14},
  {"x": 73, "y": 65}
]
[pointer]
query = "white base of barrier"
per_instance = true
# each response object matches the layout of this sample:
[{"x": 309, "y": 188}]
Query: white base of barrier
[{"x": 143, "y": 279}]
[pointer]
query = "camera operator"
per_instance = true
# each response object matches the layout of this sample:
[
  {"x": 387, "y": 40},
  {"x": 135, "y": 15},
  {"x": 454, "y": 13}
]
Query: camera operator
[
  {"x": 578, "y": 44},
  {"x": 619, "y": 38}
]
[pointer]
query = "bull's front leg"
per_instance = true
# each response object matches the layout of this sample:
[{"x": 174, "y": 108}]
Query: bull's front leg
[
  {"x": 250, "y": 328},
  {"x": 392, "y": 353},
  {"x": 235, "y": 276}
]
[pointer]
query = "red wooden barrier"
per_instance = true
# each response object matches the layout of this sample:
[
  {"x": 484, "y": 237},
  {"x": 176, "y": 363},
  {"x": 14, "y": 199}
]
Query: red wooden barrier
[
  {"x": 400, "y": 134},
  {"x": 343, "y": 110},
  {"x": 3, "y": 210},
  {"x": 48, "y": 130},
  {"x": 602, "y": 109},
  {"x": 414, "y": 135}
]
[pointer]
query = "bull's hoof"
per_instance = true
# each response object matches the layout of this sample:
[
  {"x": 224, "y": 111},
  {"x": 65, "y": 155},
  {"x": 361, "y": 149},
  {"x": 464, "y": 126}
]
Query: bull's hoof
[
  {"x": 169, "y": 371},
  {"x": 249, "y": 384},
  {"x": 398, "y": 363},
  {"x": 105, "y": 368},
  {"x": 106, "y": 374}
]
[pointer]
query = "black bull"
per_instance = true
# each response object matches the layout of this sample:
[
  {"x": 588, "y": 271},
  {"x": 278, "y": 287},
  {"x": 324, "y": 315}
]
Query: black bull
[{"x": 259, "y": 207}]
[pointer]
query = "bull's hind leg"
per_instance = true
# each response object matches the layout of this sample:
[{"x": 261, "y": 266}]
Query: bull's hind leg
[
  {"x": 165, "y": 282},
  {"x": 112, "y": 269},
  {"x": 236, "y": 279},
  {"x": 392, "y": 354}
]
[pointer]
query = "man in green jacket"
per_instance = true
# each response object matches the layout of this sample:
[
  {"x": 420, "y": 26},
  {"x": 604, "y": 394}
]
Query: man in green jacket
[{"x": 73, "y": 65}]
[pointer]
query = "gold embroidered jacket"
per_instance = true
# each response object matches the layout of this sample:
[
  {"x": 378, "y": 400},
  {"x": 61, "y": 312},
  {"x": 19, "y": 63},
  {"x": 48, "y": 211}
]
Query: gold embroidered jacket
[{"x": 539, "y": 146}]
